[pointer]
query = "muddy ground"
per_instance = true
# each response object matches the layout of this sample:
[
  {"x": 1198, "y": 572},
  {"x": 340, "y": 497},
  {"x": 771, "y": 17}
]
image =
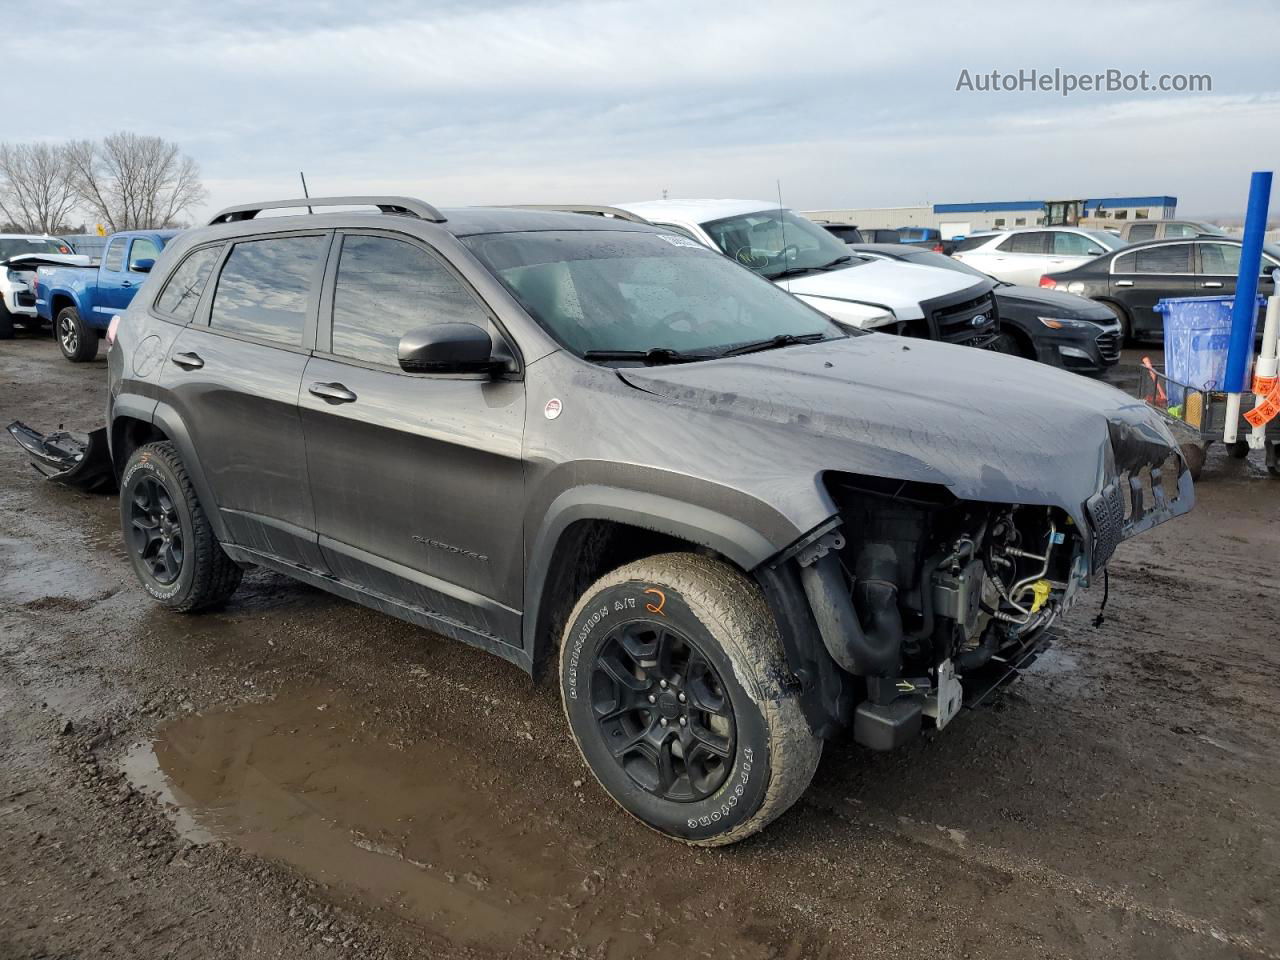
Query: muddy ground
[{"x": 296, "y": 775}]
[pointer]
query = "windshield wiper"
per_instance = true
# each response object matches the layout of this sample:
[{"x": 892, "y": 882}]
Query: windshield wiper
[
  {"x": 651, "y": 357},
  {"x": 847, "y": 258},
  {"x": 772, "y": 343}
]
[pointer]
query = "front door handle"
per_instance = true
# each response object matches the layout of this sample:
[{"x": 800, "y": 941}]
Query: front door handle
[
  {"x": 1211, "y": 285},
  {"x": 126, "y": 283},
  {"x": 331, "y": 392},
  {"x": 188, "y": 361},
  {"x": 1124, "y": 283}
]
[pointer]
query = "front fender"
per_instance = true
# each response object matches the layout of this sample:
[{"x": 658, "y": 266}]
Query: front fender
[{"x": 730, "y": 537}]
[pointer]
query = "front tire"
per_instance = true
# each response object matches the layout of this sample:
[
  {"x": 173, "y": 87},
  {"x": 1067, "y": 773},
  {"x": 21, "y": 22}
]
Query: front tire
[
  {"x": 78, "y": 343},
  {"x": 167, "y": 534},
  {"x": 671, "y": 673}
]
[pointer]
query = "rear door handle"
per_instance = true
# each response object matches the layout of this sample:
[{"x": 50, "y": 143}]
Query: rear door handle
[
  {"x": 1211, "y": 285},
  {"x": 188, "y": 361},
  {"x": 331, "y": 392},
  {"x": 1124, "y": 283}
]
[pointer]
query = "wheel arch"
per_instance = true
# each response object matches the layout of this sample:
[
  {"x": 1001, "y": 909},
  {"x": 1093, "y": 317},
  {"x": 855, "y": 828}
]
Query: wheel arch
[{"x": 588, "y": 531}]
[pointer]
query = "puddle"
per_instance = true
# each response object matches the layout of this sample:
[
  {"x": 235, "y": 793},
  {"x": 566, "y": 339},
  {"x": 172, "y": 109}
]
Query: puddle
[{"x": 438, "y": 832}]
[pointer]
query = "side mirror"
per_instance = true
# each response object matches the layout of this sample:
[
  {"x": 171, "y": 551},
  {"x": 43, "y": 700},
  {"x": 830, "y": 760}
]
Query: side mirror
[
  {"x": 448, "y": 348},
  {"x": 142, "y": 266}
]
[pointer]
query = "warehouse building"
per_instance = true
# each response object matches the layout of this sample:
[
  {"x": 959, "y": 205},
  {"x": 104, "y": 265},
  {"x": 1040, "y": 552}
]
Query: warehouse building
[{"x": 957, "y": 219}]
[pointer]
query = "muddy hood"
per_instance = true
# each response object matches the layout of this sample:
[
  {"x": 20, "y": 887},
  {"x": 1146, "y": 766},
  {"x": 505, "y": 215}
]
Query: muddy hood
[{"x": 987, "y": 426}]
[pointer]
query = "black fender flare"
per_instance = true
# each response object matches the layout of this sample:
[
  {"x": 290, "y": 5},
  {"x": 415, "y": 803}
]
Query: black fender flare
[
  {"x": 171, "y": 424},
  {"x": 737, "y": 541}
]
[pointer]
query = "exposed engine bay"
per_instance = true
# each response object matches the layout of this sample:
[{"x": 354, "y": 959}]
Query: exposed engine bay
[{"x": 920, "y": 593}]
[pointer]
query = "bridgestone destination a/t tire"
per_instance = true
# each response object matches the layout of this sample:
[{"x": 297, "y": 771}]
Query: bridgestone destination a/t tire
[{"x": 709, "y": 640}]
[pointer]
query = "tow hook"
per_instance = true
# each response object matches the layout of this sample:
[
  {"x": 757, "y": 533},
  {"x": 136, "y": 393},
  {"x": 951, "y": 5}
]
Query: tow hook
[{"x": 945, "y": 701}]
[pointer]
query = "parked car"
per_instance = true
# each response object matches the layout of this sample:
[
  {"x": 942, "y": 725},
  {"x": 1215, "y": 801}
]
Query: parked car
[
  {"x": 528, "y": 430},
  {"x": 81, "y": 300},
  {"x": 845, "y": 232},
  {"x": 1046, "y": 325},
  {"x": 90, "y": 245},
  {"x": 809, "y": 262},
  {"x": 19, "y": 252},
  {"x": 1131, "y": 281},
  {"x": 1138, "y": 231},
  {"x": 880, "y": 235},
  {"x": 1025, "y": 255}
]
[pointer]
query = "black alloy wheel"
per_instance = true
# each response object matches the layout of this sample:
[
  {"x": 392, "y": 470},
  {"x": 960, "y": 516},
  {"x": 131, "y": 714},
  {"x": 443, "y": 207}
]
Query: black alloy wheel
[
  {"x": 663, "y": 711},
  {"x": 155, "y": 531}
]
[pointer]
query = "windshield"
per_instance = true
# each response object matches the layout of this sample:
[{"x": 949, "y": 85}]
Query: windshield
[
  {"x": 17, "y": 246},
  {"x": 773, "y": 242},
  {"x": 607, "y": 291}
]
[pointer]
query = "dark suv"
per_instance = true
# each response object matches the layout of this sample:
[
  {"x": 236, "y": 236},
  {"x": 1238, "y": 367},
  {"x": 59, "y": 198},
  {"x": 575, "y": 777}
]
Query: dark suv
[{"x": 741, "y": 529}]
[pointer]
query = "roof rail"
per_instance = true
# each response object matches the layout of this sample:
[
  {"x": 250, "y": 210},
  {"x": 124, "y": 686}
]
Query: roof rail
[
  {"x": 594, "y": 209},
  {"x": 403, "y": 206}
]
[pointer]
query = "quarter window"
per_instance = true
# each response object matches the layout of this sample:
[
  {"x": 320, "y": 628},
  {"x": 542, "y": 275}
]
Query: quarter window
[
  {"x": 1144, "y": 231},
  {"x": 266, "y": 286},
  {"x": 144, "y": 248},
  {"x": 384, "y": 289},
  {"x": 180, "y": 295},
  {"x": 114, "y": 259}
]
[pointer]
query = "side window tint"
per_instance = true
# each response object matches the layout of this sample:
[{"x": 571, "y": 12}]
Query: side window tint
[
  {"x": 1031, "y": 241},
  {"x": 384, "y": 289},
  {"x": 971, "y": 243},
  {"x": 1172, "y": 258},
  {"x": 114, "y": 260},
  {"x": 1145, "y": 231},
  {"x": 1074, "y": 245},
  {"x": 180, "y": 295},
  {"x": 1172, "y": 230},
  {"x": 265, "y": 287},
  {"x": 1221, "y": 259},
  {"x": 144, "y": 248}
]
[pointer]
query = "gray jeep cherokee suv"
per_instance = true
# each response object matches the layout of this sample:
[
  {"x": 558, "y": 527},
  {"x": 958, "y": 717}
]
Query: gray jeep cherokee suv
[{"x": 743, "y": 530}]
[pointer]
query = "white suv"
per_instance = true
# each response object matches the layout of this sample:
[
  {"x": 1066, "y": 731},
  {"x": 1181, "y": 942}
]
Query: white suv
[
  {"x": 807, "y": 261},
  {"x": 1024, "y": 256}
]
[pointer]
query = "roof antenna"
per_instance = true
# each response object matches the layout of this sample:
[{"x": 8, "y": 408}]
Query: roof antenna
[{"x": 303, "y": 177}]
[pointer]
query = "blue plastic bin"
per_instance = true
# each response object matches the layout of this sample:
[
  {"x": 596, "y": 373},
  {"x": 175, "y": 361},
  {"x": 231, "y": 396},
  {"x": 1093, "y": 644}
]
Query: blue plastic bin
[{"x": 1197, "y": 335}]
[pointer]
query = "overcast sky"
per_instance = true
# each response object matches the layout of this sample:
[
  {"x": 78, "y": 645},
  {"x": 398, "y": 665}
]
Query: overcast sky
[{"x": 489, "y": 101}]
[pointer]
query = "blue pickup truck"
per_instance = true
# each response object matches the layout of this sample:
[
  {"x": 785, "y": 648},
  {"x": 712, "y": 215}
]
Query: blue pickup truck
[{"x": 80, "y": 301}]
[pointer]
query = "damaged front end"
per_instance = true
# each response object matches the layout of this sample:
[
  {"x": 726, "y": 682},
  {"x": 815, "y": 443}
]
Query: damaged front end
[
  {"x": 67, "y": 459},
  {"x": 924, "y": 602}
]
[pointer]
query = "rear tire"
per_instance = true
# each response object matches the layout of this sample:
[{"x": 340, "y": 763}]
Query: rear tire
[
  {"x": 77, "y": 342},
  {"x": 167, "y": 534},
  {"x": 1122, "y": 315},
  {"x": 736, "y": 751}
]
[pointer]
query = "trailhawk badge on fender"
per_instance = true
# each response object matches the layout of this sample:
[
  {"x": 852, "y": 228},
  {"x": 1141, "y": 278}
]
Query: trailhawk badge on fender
[{"x": 553, "y": 408}]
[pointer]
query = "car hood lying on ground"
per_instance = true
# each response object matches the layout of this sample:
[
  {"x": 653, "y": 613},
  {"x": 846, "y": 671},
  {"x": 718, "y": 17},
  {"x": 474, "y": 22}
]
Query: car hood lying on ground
[
  {"x": 988, "y": 427},
  {"x": 29, "y": 261},
  {"x": 899, "y": 286}
]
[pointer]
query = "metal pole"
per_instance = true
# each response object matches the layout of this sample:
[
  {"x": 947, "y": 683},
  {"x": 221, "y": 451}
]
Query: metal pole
[
  {"x": 1266, "y": 368},
  {"x": 1244, "y": 311}
]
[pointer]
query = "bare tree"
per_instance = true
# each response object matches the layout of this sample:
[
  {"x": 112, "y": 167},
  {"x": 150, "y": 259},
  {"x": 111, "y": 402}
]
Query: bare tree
[
  {"x": 132, "y": 182},
  {"x": 36, "y": 192}
]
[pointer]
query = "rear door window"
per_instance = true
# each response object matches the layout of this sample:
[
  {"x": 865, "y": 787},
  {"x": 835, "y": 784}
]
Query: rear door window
[
  {"x": 387, "y": 287},
  {"x": 266, "y": 288},
  {"x": 113, "y": 262},
  {"x": 1143, "y": 231},
  {"x": 1032, "y": 241},
  {"x": 1166, "y": 259},
  {"x": 181, "y": 294}
]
